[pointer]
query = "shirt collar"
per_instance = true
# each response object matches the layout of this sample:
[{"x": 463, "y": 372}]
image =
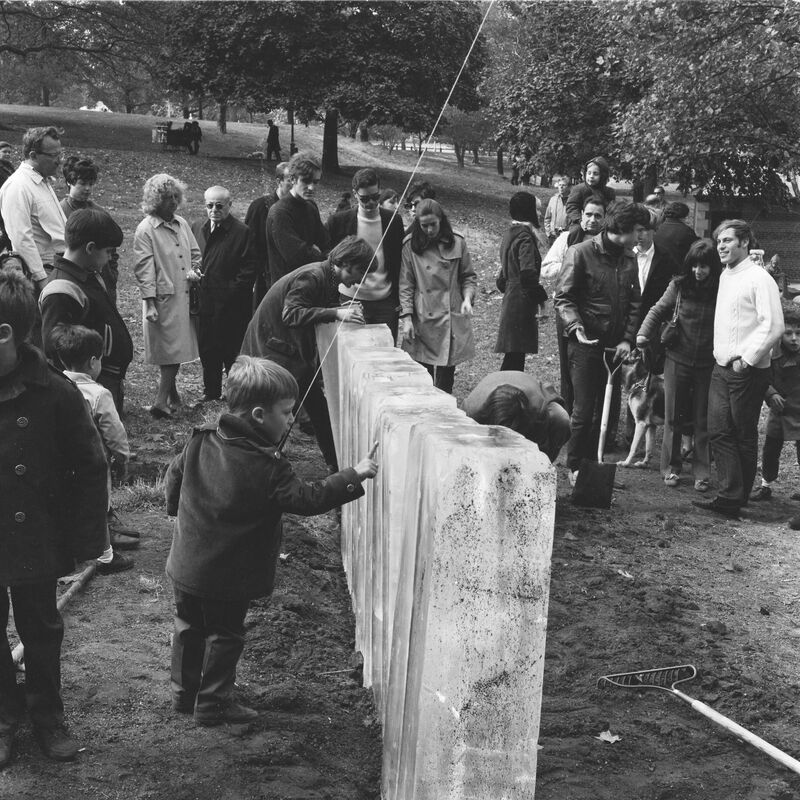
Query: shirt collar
[
  {"x": 35, "y": 176},
  {"x": 640, "y": 252}
]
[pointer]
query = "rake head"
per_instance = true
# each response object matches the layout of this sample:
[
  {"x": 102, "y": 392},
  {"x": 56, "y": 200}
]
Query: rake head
[{"x": 665, "y": 678}]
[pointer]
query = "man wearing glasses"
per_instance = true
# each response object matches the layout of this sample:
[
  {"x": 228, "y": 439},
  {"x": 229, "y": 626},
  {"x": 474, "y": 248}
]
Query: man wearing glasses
[
  {"x": 229, "y": 271},
  {"x": 31, "y": 213},
  {"x": 383, "y": 231}
]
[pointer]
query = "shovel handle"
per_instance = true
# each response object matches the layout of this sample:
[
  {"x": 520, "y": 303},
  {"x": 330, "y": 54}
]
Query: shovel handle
[{"x": 744, "y": 734}]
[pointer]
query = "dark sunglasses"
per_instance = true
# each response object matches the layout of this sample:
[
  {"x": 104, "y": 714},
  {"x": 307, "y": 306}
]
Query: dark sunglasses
[
  {"x": 368, "y": 198},
  {"x": 218, "y": 206}
]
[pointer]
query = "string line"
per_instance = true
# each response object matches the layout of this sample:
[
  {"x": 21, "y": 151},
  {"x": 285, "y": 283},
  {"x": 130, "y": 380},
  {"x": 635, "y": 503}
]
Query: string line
[{"x": 400, "y": 204}]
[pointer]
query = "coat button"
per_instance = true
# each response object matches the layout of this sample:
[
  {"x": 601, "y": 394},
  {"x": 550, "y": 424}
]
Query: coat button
[
  {"x": 20, "y": 469},
  {"x": 22, "y": 422},
  {"x": 350, "y": 487},
  {"x": 19, "y": 516}
]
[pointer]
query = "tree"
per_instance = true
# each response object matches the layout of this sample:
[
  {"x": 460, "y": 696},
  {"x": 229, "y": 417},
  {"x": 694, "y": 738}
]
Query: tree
[{"x": 468, "y": 130}]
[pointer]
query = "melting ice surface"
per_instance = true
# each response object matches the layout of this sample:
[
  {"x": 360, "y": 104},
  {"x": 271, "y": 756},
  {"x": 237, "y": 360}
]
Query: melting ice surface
[{"x": 447, "y": 558}]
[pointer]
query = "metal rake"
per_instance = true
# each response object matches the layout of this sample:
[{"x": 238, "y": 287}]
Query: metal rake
[{"x": 667, "y": 678}]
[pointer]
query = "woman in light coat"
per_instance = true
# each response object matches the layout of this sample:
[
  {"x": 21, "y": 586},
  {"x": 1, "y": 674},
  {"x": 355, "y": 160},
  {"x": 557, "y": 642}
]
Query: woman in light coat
[
  {"x": 437, "y": 289},
  {"x": 167, "y": 261}
]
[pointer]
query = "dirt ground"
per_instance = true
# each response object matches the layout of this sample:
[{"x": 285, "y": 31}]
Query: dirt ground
[{"x": 651, "y": 582}]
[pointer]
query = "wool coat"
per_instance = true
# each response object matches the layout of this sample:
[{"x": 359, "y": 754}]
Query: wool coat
[
  {"x": 674, "y": 237},
  {"x": 521, "y": 263},
  {"x": 295, "y": 235},
  {"x": 786, "y": 383},
  {"x": 229, "y": 489},
  {"x": 433, "y": 285},
  {"x": 53, "y": 494}
]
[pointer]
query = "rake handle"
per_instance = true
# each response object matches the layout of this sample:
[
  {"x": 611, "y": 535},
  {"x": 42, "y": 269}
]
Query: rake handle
[{"x": 744, "y": 734}]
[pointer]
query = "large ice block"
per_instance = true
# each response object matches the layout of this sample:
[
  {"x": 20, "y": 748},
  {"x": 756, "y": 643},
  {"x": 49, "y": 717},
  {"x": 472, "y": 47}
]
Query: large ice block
[{"x": 447, "y": 558}]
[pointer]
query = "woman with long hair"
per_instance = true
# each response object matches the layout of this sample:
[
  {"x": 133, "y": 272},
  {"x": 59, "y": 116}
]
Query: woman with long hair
[
  {"x": 690, "y": 299},
  {"x": 437, "y": 289},
  {"x": 167, "y": 260}
]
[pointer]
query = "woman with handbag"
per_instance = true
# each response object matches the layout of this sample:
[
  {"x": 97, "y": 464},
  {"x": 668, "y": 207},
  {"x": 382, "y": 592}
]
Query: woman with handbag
[
  {"x": 518, "y": 280},
  {"x": 682, "y": 322}
]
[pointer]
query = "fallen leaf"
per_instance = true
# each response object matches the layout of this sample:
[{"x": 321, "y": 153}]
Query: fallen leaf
[
  {"x": 607, "y": 736},
  {"x": 625, "y": 574}
]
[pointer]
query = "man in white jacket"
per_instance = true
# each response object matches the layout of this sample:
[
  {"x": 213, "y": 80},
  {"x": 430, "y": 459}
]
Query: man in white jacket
[{"x": 748, "y": 321}]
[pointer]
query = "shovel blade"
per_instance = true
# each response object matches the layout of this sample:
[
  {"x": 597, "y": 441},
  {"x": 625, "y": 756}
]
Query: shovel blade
[{"x": 594, "y": 487}]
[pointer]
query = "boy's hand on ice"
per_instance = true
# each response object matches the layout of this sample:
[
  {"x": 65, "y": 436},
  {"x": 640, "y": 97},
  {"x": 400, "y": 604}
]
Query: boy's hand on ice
[
  {"x": 368, "y": 467},
  {"x": 777, "y": 403}
]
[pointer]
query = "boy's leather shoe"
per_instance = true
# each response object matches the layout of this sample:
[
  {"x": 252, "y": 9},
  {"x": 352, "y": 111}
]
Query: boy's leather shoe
[
  {"x": 56, "y": 742},
  {"x": 119, "y": 563},
  {"x": 120, "y": 542},
  {"x": 224, "y": 712},
  {"x": 719, "y": 506},
  {"x": 117, "y": 528}
]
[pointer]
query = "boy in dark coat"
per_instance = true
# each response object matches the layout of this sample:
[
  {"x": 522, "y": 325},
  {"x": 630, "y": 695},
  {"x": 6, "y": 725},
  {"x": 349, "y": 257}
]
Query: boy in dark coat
[
  {"x": 53, "y": 501},
  {"x": 783, "y": 399},
  {"x": 229, "y": 489}
]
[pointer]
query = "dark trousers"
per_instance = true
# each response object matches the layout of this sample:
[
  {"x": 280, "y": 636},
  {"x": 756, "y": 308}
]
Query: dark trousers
[
  {"x": 273, "y": 149},
  {"x": 443, "y": 377},
  {"x": 116, "y": 385},
  {"x": 221, "y": 329},
  {"x": 513, "y": 361},
  {"x": 378, "y": 311},
  {"x": 734, "y": 404},
  {"x": 41, "y": 631},
  {"x": 771, "y": 454},
  {"x": 563, "y": 365},
  {"x": 685, "y": 402},
  {"x": 588, "y": 376},
  {"x": 206, "y": 645}
]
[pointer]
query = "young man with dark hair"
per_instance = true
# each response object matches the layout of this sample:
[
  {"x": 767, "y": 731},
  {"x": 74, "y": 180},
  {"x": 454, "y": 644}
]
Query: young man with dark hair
[
  {"x": 383, "y": 231},
  {"x": 598, "y": 299},
  {"x": 32, "y": 216},
  {"x": 256, "y": 220},
  {"x": 674, "y": 235},
  {"x": 748, "y": 321},
  {"x": 295, "y": 233},
  {"x": 282, "y": 328}
]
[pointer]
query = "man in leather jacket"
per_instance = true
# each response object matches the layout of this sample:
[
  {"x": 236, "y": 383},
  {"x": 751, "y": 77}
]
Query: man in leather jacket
[{"x": 598, "y": 300}]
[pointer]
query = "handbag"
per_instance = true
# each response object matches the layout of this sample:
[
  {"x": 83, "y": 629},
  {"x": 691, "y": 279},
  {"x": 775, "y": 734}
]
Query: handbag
[{"x": 655, "y": 355}]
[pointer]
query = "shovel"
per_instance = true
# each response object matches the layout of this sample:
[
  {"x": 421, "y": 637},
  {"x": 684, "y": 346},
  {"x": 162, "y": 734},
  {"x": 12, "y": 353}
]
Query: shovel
[{"x": 594, "y": 486}]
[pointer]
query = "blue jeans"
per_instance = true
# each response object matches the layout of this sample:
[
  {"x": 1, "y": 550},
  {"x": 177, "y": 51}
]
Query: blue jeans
[{"x": 734, "y": 404}]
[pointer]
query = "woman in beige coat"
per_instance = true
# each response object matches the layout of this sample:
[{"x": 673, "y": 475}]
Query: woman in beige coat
[
  {"x": 437, "y": 289},
  {"x": 167, "y": 262}
]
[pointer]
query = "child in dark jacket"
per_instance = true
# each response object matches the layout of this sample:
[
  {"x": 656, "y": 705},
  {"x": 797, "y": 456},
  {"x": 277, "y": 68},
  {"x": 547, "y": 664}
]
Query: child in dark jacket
[
  {"x": 229, "y": 488},
  {"x": 53, "y": 501},
  {"x": 783, "y": 399},
  {"x": 595, "y": 177}
]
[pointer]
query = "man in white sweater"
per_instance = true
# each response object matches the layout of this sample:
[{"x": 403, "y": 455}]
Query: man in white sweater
[{"x": 748, "y": 321}]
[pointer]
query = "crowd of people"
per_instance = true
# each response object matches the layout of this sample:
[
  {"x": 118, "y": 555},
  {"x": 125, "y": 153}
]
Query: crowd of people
[{"x": 244, "y": 297}]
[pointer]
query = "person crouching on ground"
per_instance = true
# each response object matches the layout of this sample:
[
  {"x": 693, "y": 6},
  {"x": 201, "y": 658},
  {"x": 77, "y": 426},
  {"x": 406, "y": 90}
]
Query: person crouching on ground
[
  {"x": 523, "y": 403},
  {"x": 80, "y": 350},
  {"x": 229, "y": 488},
  {"x": 53, "y": 498},
  {"x": 783, "y": 399}
]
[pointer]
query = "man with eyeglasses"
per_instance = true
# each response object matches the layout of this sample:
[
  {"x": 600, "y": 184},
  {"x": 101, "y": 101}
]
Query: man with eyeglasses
[
  {"x": 383, "y": 231},
  {"x": 229, "y": 271},
  {"x": 295, "y": 233},
  {"x": 31, "y": 213}
]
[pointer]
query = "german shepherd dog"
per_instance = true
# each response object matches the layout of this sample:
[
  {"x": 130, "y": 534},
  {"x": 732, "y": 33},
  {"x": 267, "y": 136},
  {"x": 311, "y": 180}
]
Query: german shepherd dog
[{"x": 646, "y": 402}]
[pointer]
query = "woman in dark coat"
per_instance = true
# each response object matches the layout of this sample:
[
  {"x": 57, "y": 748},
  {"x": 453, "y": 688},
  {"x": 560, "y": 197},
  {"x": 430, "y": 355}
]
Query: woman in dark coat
[
  {"x": 687, "y": 371},
  {"x": 518, "y": 279}
]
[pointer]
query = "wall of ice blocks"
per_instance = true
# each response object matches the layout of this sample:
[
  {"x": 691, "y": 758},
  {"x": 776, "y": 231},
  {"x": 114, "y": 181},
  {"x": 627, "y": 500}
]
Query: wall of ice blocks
[{"x": 448, "y": 563}]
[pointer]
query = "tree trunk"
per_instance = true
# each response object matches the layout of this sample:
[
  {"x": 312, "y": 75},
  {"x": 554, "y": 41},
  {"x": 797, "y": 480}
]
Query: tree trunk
[
  {"x": 475, "y": 156},
  {"x": 222, "y": 120},
  {"x": 353, "y": 128},
  {"x": 330, "y": 141},
  {"x": 500, "y": 162},
  {"x": 647, "y": 184},
  {"x": 199, "y": 108},
  {"x": 364, "y": 132},
  {"x": 459, "y": 151},
  {"x": 45, "y": 95}
]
